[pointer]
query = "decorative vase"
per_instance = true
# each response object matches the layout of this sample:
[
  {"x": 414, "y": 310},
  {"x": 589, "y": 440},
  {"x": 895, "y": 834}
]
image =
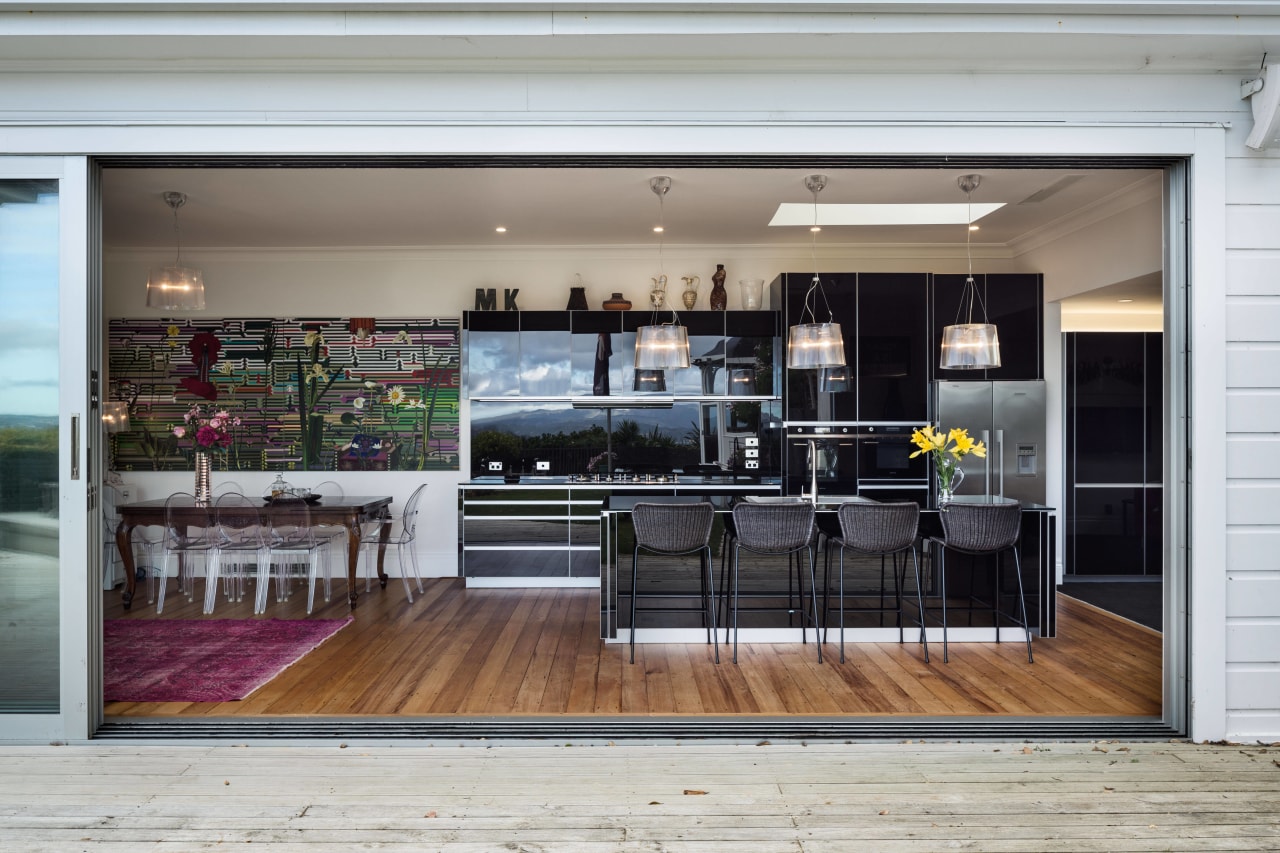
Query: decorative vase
[
  {"x": 752, "y": 293},
  {"x": 947, "y": 485},
  {"x": 203, "y": 490},
  {"x": 690, "y": 295},
  {"x": 719, "y": 298},
  {"x": 658, "y": 295},
  {"x": 577, "y": 299},
  {"x": 617, "y": 303}
]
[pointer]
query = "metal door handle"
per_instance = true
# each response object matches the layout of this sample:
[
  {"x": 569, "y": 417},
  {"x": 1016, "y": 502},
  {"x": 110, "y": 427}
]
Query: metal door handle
[
  {"x": 986, "y": 464},
  {"x": 1000, "y": 458},
  {"x": 75, "y": 447}
]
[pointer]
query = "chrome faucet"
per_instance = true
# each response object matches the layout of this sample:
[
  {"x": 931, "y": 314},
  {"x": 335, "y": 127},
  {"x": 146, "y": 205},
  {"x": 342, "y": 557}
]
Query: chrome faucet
[{"x": 812, "y": 495}]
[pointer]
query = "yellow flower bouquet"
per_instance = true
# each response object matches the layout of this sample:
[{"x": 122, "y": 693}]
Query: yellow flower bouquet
[{"x": 947, "y": 449}]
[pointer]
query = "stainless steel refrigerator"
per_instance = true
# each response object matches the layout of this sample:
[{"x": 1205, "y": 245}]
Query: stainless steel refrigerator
[{"x": 1009, "y": 418}]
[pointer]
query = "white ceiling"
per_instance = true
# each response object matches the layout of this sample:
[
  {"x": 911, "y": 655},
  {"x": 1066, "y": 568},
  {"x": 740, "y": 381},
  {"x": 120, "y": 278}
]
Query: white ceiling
[{"x": 353, "y": 207}]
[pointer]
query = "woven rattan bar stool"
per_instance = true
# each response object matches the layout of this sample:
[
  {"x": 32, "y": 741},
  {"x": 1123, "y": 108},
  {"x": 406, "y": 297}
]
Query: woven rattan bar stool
[
  {"x": 674, "y": 530},
  {"x": 778, "y": 530},
  {"x": 984, "y": 530},
  {"x": 881, "y": 530}
]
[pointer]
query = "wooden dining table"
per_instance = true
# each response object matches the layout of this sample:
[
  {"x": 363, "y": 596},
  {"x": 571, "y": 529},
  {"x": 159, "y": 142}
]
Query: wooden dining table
[{"x": 352, "y": 512}]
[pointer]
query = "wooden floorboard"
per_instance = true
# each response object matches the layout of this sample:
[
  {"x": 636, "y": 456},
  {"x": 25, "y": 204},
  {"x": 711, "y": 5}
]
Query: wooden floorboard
[
  {"x": 480, "y": 652},
  {"x": 996, "y": 797}
]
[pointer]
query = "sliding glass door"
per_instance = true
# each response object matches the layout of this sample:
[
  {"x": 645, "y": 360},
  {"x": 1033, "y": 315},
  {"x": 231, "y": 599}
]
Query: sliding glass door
[{"x": 44, "y": 453}]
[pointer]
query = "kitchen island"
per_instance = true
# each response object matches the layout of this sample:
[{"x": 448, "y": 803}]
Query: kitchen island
[{"x": 766, "y": 579}]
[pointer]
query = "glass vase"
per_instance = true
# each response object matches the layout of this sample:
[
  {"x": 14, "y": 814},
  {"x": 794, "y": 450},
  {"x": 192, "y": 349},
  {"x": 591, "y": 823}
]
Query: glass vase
[
  {"x": 752, "y": 293},
  {"x": 203, "y": 488}
]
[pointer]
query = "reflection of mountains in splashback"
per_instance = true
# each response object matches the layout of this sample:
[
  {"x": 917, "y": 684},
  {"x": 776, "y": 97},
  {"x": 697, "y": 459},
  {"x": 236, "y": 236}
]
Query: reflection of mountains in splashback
[{"x": 675, "y": 422}]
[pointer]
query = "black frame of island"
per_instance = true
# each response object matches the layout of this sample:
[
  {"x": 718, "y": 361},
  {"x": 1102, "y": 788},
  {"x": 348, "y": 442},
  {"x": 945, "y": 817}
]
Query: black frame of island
[{"x": 535, "y": 513}]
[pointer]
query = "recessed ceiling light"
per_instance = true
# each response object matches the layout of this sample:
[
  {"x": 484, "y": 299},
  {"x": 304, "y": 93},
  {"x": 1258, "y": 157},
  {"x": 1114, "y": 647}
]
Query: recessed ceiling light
[
  {"x": 815, "y": 228},
  {"x": 657, "y": 229},
  {"x": 789, "y": 213},
  {"x": 975, "y": 227},
  {"x": 1124, "y": 300},
  {"x": 501, "y": 229}
]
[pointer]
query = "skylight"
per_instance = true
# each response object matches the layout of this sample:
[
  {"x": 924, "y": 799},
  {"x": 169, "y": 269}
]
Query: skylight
[{"x": 800, "y": 213}]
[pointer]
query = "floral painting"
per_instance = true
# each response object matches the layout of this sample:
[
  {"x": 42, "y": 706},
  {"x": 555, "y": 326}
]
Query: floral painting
[{"x": 293, "y": 394}]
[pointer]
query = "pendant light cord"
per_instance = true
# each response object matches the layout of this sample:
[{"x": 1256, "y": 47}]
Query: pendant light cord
[
  {"x": 816, "y": 284},
  {"x": 177, "y": 231},
  {"x": 970, "y": 294}
]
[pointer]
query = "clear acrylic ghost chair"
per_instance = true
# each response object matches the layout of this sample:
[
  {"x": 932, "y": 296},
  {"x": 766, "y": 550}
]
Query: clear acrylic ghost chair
[
  {"x": 328, "y": 490},
  {"x": 292, "y": 535},
  {"x": 401, "y": 536},
  {"x": 240, "y": 535},
  {"x": 148, "y": 537},
  {"x": 187, "y": 529}
]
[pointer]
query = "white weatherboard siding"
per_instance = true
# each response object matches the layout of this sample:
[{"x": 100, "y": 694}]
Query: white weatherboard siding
[{"x": 1253, "y": 446}]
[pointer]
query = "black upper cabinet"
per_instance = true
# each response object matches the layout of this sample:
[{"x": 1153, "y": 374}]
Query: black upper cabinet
[
  {"x": 892, "y": 348},
  {"x": 1014, "y": 303}
]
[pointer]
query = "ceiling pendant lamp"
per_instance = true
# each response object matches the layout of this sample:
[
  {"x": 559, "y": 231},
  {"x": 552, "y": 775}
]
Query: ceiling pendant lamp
[
  {"x": 814, "y": 344},
  {"x": 174, "y": 287},
  {"x": 663, "y": 346},
  {"x": 969, "y": 345}
]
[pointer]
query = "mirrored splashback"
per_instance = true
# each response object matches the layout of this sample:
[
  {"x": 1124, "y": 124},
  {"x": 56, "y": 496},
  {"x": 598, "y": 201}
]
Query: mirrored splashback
[{"x": 742, "y": 438}]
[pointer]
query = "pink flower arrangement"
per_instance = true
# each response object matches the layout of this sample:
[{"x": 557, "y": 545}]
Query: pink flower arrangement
[{"x": 208, "y": 430}]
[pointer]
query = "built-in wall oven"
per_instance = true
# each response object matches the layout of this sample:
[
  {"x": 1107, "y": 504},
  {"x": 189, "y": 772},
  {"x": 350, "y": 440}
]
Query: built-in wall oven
[{"x": 869, "y": 459}]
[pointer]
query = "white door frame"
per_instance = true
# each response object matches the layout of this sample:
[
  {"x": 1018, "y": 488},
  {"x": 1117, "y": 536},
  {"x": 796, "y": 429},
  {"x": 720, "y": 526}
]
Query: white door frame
[{"x": 1202, "y": 650}]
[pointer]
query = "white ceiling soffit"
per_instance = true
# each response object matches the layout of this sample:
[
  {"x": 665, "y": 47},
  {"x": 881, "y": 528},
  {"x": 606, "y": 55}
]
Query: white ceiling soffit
[
  {"x": 354, "y": 207},
  {"x": 731, "y": 35},
  {"x": 799, "y": 213}
]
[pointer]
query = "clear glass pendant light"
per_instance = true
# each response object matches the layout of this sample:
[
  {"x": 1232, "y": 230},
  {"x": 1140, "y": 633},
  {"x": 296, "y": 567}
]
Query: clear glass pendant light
[
  {"x": 662, "y": 346},
  {"x": 174, "y": 287},
  {"x": 969, "y": 345},
  {"x": 814, "y": 344}
]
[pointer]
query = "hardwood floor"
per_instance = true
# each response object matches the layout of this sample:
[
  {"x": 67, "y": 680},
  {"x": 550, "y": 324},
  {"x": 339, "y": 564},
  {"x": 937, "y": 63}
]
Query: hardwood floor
[{"x": 458, "y": 651}]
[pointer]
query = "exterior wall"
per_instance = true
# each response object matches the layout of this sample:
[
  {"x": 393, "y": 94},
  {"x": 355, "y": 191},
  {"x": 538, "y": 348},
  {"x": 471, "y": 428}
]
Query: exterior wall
[
  {"x": 1235, "y": 596},
  {"x": 1253, "y": 445}
]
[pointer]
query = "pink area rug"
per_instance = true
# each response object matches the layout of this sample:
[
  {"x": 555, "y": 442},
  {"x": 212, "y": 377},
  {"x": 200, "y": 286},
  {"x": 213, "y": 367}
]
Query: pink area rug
[{"x": 210, "y": 660}]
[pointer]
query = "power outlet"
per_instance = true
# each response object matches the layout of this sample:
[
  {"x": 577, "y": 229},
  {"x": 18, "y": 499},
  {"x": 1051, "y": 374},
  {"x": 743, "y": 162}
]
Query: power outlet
[
  {"x": 753, "y": 441},
  {"x": 542, "y": 465},
  {"x": 495, "y": 466},
  {"x": 752, "y": 452},
  {"x": 753, "y": 463}
]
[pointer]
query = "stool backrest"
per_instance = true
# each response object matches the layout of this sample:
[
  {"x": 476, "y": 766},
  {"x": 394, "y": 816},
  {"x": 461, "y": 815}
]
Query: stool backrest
[
  {"x": 674, "y": 528},
  {"x": 981, "y": 527},
  {"x": 773, "y": 527},
  {"x": 879, "y": 528}
]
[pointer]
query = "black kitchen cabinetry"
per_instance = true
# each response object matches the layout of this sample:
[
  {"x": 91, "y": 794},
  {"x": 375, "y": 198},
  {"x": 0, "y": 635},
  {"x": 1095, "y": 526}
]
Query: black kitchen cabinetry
[
  {"x": 893, "y": 347},
  {"x": 1014, "y": 304},
  {"x": 1114, "y": 443}
]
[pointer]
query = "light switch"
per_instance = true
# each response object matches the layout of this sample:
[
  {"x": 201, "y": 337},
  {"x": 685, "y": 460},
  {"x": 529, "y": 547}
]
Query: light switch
[{"x": 542, "y": 465}]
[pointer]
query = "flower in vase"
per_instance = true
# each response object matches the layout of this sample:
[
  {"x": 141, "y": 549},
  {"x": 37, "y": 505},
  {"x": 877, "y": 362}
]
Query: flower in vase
[{"x": 946, "y": 450}]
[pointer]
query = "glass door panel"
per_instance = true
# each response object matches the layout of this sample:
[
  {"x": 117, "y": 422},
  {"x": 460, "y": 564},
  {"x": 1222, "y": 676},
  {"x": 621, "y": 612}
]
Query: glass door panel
[{"x": 29, "y": 445}]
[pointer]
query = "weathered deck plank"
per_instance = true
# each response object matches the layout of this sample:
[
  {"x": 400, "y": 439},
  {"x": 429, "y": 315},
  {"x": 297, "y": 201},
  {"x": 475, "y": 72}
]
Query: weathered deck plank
[{"x": 896, "y": 798}]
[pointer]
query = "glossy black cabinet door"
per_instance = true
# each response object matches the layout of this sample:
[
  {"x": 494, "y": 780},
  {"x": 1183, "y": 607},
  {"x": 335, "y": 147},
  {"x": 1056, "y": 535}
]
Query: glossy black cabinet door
[
  {"x": 1014, "y": 303},
  {"x": 1108, "y": 416},
  {"x": 1114, "y": 437},
  {"x": 892, "y": 347}
]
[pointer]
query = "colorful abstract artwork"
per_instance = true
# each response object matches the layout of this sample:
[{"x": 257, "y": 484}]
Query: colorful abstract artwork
[{"x": 353, "y": 394}]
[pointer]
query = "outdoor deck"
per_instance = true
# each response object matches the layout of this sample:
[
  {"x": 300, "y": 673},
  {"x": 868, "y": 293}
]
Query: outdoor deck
[{"x": 890, "y": 798}]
